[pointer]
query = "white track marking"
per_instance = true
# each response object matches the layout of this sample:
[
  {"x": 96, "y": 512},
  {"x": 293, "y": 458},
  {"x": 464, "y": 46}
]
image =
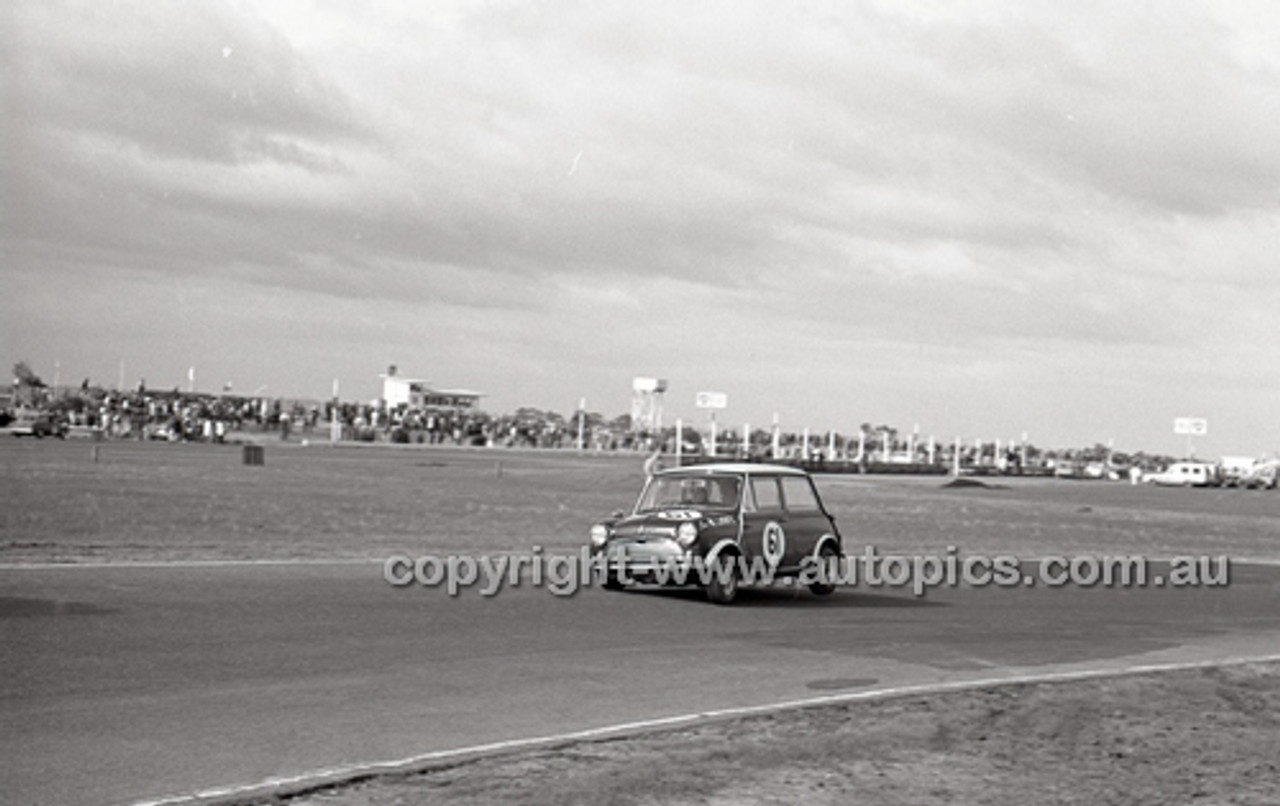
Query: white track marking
[
  {"x": 181, "y": 564},
  {"x": 336, "y": 775}
]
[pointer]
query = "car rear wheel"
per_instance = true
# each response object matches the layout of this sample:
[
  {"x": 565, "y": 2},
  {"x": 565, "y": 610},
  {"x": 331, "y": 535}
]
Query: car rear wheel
[
  {"x": 722, "y": 588},
  {"x": 827, "y": 562}
]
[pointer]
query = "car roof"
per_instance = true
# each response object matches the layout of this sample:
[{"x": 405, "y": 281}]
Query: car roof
[{"x": 733, "y": 467}]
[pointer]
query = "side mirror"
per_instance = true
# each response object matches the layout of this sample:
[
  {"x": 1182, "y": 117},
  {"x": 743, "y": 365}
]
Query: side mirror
[{"x": 617, "y": 513}]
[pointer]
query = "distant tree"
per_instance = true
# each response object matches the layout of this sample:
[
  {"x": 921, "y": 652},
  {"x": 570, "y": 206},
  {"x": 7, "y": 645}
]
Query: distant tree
[
  {"x": 1097, "y": 453},
  {"x": 528, "y": 414},
  {"x": 25, "y": 376},
  {"x": 883, "y": 437}
]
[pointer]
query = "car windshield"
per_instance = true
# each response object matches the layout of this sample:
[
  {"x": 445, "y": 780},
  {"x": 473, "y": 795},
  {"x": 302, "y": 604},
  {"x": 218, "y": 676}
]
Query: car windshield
[{"x": 669, "y": 491}]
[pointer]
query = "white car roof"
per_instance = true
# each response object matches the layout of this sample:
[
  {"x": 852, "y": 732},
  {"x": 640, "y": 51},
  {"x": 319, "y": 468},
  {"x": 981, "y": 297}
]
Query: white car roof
[{"x": 735, "y": 467}]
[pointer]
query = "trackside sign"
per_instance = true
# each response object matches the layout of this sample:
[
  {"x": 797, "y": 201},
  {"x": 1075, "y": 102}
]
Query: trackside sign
[{"x": 1191, "y": 426}]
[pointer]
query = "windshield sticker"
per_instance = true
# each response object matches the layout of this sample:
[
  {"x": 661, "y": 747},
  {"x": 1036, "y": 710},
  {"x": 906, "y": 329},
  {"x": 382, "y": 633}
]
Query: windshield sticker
[{"x": 680, "y": 514}]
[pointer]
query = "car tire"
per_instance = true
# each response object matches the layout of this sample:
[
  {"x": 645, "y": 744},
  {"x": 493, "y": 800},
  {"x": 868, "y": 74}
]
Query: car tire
[
  {"x": 825, "y": 557},
  {"x": 722, "y": 587},
  {"x": 612, "y": 583}
]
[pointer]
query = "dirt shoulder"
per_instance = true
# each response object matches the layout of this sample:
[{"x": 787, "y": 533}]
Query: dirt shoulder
[{"x": 1208, "y": 736}]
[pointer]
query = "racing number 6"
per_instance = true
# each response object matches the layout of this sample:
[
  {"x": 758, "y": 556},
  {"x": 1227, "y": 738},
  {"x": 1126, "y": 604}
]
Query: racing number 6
[{"x": 774, "y": 543}]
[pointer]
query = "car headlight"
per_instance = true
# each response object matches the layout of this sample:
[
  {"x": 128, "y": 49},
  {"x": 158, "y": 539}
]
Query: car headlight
[
  {"x": 599, "y": 534},
  {"x": 687, "y": 533}
]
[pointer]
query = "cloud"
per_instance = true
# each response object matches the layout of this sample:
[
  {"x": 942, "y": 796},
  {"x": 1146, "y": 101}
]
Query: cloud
[
  {"x": 193, "y": 81},
  {"x": 1008, "y": 189}
]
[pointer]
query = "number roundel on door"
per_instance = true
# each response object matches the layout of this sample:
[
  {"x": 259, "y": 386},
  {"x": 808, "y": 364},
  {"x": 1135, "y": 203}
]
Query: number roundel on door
[{"x": 774, "y": 543}]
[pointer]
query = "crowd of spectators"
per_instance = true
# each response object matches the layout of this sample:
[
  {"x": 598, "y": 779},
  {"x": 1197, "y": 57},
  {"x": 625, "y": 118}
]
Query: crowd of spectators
[
  {"x": 169, "y": 415},
  {"x": 175, "y": 415}
]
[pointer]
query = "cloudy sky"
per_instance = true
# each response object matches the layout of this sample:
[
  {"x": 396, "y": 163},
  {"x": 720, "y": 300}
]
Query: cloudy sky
[{"x": 982, "y": 218}]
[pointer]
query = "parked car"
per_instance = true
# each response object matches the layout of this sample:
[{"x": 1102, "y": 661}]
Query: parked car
[
  {"x": 1067, "y": 469},
  {"x": 1263, "y": 476},
  {"x": 1186, "y": 474},
  {"x": 38, "y": 425},
  {"x": 720, "y": 524},
  {"x": 1249, "y": 473},
  {"x": 1234, "y": 469}
]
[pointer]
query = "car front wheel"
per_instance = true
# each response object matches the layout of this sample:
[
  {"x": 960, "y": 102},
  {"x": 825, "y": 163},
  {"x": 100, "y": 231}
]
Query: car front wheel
[
  {"x": 722, "y": 588},
  {"x": 613, "y": 580}
]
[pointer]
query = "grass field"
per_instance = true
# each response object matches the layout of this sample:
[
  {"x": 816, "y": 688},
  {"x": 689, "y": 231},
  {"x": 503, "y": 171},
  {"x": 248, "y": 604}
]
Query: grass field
[{"x": 126, "y": 501}]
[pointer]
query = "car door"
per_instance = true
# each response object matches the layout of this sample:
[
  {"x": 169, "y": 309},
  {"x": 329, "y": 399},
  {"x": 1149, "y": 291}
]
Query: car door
[
  {"x": 763, "y": 519},
  {"x": 806, "y": 520}
]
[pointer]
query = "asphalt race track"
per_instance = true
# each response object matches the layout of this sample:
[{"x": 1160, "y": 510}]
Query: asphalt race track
[{"x": 132, "y": 683}]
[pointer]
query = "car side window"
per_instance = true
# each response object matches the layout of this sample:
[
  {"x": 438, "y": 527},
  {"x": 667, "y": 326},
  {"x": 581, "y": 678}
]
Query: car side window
[
  {"x": 799, "y": 494},
  {"x": 766, "y": 493}
]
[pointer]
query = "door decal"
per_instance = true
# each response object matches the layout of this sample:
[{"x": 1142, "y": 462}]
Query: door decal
[{"x": 774, "y": 543}]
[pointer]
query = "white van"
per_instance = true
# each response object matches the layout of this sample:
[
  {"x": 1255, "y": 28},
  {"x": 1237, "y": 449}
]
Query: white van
[{"x": 1185, "y": 474}]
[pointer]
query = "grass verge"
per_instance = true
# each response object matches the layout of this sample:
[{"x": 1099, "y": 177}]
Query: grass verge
[{"x": 1206, "y": 736}]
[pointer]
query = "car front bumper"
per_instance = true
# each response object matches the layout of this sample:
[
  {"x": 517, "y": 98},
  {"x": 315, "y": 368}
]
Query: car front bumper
[{"x": 651, "y": 559}]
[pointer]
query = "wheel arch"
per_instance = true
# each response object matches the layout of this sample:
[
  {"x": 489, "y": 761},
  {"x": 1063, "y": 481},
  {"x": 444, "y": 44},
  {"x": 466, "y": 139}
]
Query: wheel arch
[
  {"x": 722, "y": 546},
  {"x": 828, "y": 539}
]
